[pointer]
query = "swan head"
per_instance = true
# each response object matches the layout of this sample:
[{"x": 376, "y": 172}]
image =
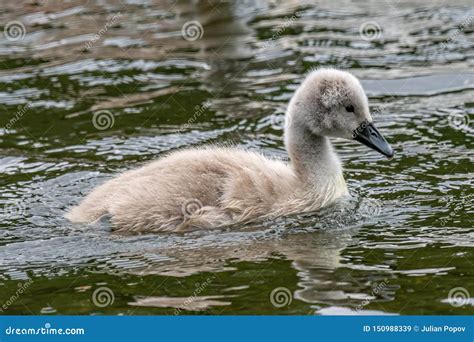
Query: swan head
[{"x": 333, "y": 103}]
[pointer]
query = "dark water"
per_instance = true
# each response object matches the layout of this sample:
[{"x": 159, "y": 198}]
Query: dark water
[{"x": 95, "y": 88}]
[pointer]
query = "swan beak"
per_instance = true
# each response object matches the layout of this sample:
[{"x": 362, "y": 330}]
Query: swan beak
[{"x": 370, "y": 136}]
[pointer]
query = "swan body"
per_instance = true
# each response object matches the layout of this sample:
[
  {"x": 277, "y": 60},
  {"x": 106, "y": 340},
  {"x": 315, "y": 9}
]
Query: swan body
[{"x": 215, "y": 186}]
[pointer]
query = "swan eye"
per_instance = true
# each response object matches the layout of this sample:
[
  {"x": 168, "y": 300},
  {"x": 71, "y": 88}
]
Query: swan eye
[{"x": 350, "y": 108}]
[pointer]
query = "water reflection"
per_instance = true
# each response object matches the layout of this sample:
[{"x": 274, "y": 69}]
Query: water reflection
[{"x": 231, "y": 85}]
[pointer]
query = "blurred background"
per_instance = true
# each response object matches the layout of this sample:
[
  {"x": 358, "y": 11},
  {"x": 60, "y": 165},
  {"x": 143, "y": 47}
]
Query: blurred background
[{"x": 92, "y": 88}]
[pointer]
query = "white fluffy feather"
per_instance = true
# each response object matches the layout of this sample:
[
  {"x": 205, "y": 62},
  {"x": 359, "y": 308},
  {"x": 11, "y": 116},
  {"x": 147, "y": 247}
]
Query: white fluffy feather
[{"x": 223, "y": 186}]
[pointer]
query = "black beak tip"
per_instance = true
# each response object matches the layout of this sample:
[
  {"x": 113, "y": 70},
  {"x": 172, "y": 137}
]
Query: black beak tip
[{"x": 390, "y": 153}]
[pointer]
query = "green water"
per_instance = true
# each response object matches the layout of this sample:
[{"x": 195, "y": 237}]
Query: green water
[{"x": 404, "y": 243}]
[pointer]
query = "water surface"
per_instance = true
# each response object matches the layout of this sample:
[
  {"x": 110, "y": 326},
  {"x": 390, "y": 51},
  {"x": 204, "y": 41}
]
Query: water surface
[{"x": 404, "y": 243}]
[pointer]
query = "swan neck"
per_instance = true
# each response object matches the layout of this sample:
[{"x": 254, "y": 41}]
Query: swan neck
[{"x": 312, "y": 156}]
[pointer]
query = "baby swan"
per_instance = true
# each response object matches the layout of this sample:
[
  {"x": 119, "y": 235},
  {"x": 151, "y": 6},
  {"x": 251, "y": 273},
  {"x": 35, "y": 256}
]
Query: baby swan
[{"x": 212, "y": 186}]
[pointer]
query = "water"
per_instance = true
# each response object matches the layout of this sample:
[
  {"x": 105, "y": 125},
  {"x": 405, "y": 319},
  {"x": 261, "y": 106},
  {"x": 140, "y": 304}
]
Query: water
[{"x": 402, "y": 245}]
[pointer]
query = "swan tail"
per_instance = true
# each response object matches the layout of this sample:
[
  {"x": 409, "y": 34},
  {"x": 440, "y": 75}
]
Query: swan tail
[{"x": 92, "y": 208}]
